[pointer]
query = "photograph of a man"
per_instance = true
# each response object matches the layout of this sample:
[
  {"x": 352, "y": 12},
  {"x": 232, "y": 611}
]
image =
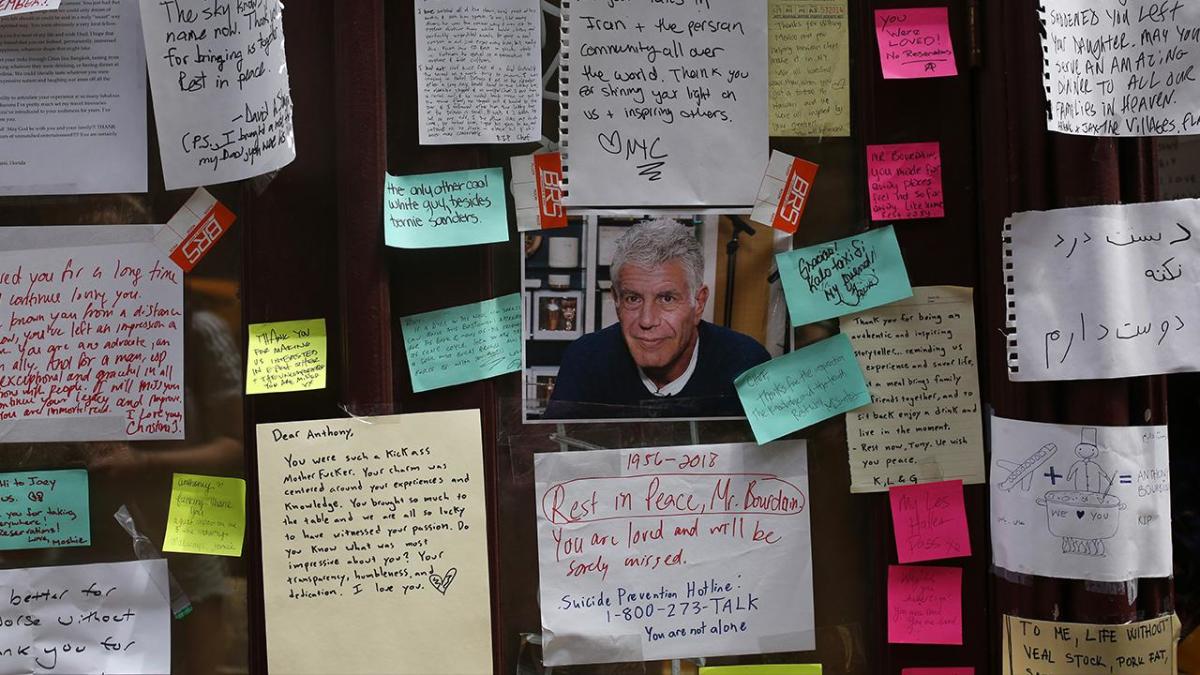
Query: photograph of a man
[{"x": 661, "y": 359}]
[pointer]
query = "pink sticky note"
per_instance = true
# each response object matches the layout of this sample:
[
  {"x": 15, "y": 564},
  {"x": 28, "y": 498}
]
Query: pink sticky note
[
  {"x": 905, "y": 181},
  {"x": 914, "y": 43},
  {"x": 924, "y": 605},
  {"x": 930, "y": 521},
  {"x": 938, "y": 671}
]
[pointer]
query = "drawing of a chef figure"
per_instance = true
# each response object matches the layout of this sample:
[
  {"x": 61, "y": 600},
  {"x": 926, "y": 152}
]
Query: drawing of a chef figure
[{"x": 1087, "y": 473}]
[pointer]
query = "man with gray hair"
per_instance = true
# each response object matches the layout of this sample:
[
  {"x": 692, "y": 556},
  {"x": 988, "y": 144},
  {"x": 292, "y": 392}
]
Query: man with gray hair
[{"x": 661, "y": 359}]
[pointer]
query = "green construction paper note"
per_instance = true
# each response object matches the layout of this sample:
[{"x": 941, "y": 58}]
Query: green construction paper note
[
  {"x": 207, "y": 515},
  {"x": 768, "y": 669},
  {"x": 286, "y": 356},
  {"x": 844, "y": 276},
  {"x": 44, "y": 509},
  {"x": 456, "y": 208},
  {"x": 802, "y": 388},
  {"x": 463, "y": 344}
]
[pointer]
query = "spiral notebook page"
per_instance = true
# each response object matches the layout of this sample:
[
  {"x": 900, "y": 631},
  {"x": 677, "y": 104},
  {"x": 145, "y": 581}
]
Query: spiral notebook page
[{"x": 664, "y": 104}]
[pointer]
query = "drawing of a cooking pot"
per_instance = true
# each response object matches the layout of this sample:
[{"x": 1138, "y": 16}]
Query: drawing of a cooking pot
[{"x": 1079, "y": 514}]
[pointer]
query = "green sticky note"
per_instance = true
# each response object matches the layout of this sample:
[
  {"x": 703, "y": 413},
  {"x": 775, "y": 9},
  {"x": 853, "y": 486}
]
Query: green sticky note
[
  {"x": 44, "y": 509},
  {"x": 768, "y": 669},
  {"x": 802, "y": 388},
  {"x": 286, "y": 356},
  {"x": 207, "y": 515},
  {"x": 844, "y": 276},
  {"x": 456, "y": 208},
  {"x": 463, "y": 344}
]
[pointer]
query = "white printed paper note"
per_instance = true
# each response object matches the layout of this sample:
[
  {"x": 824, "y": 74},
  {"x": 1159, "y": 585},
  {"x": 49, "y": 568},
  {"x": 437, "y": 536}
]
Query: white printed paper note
[
  {"x": 1104, "y": 291},
  {"x": 479, "y": 71},
  {"x": 1080, "y": 502},
  {"x": 91, "y": 335},
  {"x": 924, "y": 423},
  {"x": 668, "y": 102},
  {"x": 369, "y": 524},
  {"x": 1122, "y": 67},
  {"x": 670, "y": 552},
  {"x": 73, "y": 119},
  {"x": 220, "y": 83},
  {"x": 103, "y": 618}
]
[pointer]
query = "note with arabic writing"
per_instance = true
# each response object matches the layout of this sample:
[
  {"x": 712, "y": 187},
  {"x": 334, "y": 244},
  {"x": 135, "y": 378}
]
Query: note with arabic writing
[
  {"x": 1139, "y": 648},
  {"x": 207, "y": 515},
  {"x": 924, "y": 422},
  {"x": 924, "y": 605},
  {"x": 463, "y": 344},
  {"x": 914, "y": 43},
  {"x": 839, "y": 277},
  {"x": 930, "y": 521},
  {"x": 286, "y": 356},
  {"x": 1103, "y": 292}
]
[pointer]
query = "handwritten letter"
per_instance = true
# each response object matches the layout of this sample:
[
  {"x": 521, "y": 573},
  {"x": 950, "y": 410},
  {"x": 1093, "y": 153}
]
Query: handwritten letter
[
  {"x": 220, "y": 83},
  {"x": 905, "y": 181},
  {"x": 802, "y": 388},
  {"x": 458, "y": 208},
  {"x": 930, "y": 521},
  {"x": 668, "y": 102},
  {"x": 809, "y": 46},
  {"x": 1141, "y": 648},
  {"x": 924, "y": 421},
  {"x": 914, "y": 43},
  {"x": 479, "y": 71},
  {"x": 104, "y": 618},
  {"x": 286, "y": 356},
  {"x": 848, "y": 275},
  {"x": 1121, "y": 67},
  {"x": 92, "y": 340},
  {"x": 372, "y": 523},
  {"x": 1104, "y": 291},
  {"x": 207, "y": 515},
  {"x": 924, "y": 605},
  {"x": 670, "y": 552},
  {"x": 463, "y": 344},
  {"x": 44, "y": 509}
]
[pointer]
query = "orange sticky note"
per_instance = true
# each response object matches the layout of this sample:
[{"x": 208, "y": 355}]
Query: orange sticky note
[
  {"x": 924, "y": 605},
  {"x": 930, "y": 521},
  {"x": 905, "y": 181},
  {"x": 938, "y": 671},
  {"x": 914, "y": 43}
]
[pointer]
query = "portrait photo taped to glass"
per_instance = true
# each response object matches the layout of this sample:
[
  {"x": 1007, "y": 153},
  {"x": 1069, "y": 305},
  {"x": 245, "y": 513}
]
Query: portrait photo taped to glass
[{"x": 647, "y": 318}]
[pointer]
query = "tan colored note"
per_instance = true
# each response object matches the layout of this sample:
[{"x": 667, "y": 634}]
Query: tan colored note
[
  {"x": 1057, "y": 648},
  {"x": 924, "y": 423},
  {"x": 810, "y": 68},
  {"x": 374, "y": 538}
]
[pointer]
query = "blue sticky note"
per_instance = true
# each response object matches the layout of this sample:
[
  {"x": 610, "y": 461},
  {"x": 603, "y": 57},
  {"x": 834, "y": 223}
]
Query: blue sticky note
[
  {"x": 434, "y": 210},
  {"x": 844, "y": 276},
  {"x": 463, "y": 344},
  {"x": 44, "y": 509},
  {"x": 802, "y": 388}
]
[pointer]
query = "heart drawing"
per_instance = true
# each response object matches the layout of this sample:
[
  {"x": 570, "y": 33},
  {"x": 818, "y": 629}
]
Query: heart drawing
[{"x": 442, "y": 582}]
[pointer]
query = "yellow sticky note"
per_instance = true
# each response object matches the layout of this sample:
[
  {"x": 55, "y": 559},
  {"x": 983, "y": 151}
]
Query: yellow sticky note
[
  {"x": 767, "y": 669},
  {"x": 286, "y": 356},
  {"x": 207, "y": 516}
]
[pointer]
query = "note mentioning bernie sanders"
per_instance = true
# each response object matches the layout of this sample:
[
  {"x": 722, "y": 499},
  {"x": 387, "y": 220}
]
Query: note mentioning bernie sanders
[
  {"x": 929, "y": 521},
  {"x": 207, "y": 515},
  {"x": 905, "y": 181},
  {"x": 799, "y": 389},
  {"x": 457, "y": 208},
  {"x": 1121, "y": 67},
  {"x": 1104, "y": 291},
  {"x": 371, "y": 523},
  {"x": 104, "y": 618},
  {"x": 839, "y": 277},
  {"x": 463, "y": 344},
  {"x": 219, "y": 77},
  {"x": 924, "y": 605},
  {"x": 1142, "y": 648},
  {"x": 286, "y": 356},
  {"x": 91, "y": 338},
  {"x": 663, "y": 553},
  {"x": 914, "y": 43},
  {"x": 479, "y": 71},
  {"x": 809, "y": 46},
  {"x": 924, "y": 422},
  {"x": 10, "y": 7},
  {"x": 44, "y": 509}
]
